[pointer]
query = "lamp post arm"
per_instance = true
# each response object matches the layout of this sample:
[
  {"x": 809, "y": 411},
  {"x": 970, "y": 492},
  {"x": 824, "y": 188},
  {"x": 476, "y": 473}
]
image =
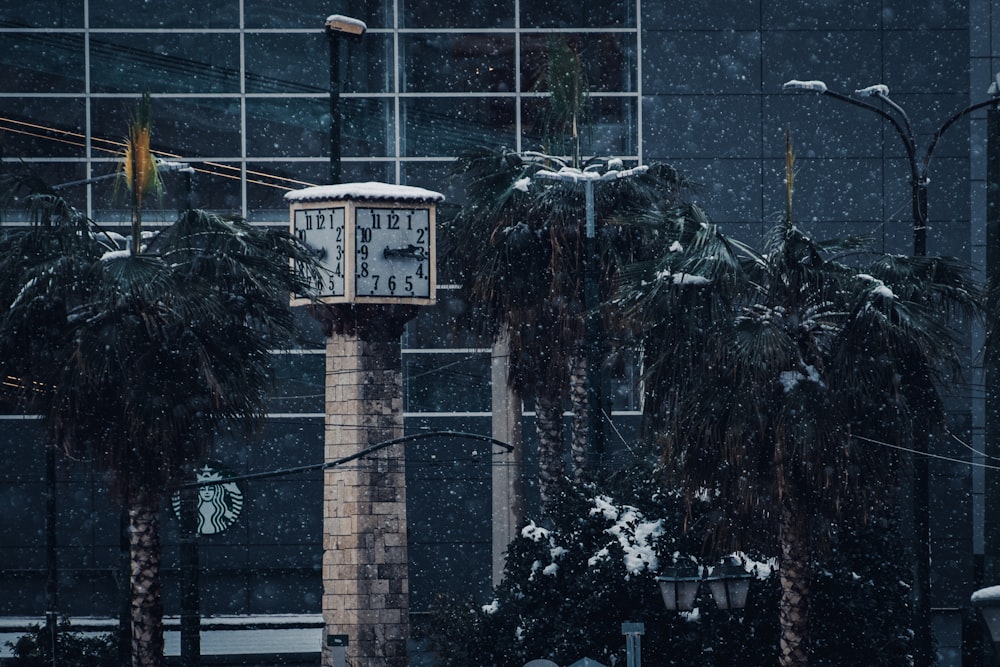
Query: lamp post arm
[
  {"x": 911, "y": 150},
  {"x": 994, "y": 102},
  {"x": 880, "y": 94}
]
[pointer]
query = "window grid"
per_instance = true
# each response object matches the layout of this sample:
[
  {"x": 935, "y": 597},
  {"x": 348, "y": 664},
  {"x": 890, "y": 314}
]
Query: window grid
[{"x": 400, "y": 101}]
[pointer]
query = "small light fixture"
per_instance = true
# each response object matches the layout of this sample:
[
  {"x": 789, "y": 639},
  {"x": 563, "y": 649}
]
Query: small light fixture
[
  {"x": 987, "y": 600},
  {"x": 679, "y": 586},
  {"x": 346, "y": 24},
  {"x": 728, "y": 583}
]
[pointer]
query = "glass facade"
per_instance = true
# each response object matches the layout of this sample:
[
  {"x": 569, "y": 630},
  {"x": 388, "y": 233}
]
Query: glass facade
[{"x": 240, "y": 90}]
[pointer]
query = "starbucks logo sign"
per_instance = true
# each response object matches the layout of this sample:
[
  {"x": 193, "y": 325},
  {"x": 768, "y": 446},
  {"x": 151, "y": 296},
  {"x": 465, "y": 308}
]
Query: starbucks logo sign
[{"x": 219, "y": 504}]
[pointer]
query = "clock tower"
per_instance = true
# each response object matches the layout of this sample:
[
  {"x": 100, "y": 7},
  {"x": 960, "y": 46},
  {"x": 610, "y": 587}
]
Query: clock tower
[
  {"x": 376, "y": 249},
  {"x": 375, "y": 242}
]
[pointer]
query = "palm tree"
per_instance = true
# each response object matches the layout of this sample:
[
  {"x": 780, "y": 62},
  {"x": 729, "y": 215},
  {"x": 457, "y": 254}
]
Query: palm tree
[
  {"x": 787, "y": 382},
  {"x": 518, "y": 248},
  {"x": 135, "y": 358}
]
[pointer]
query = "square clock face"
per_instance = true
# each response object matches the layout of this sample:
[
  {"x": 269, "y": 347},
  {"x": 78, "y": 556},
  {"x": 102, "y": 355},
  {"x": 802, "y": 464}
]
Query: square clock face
[
  {"x": 323, "y": 230},
  {"x": 392, "y": 252}
]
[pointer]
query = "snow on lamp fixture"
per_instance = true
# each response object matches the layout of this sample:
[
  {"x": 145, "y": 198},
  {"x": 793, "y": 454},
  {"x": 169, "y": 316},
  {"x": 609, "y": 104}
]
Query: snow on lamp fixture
[
  {"x": 815, "y": 86},
  {"x": 340, "y": 23}
]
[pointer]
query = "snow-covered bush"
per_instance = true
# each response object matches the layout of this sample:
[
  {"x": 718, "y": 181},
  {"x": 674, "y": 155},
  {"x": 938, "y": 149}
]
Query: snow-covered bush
[
  {"x": 573, "y": 581},
  {"x": 570, "y": 583}
]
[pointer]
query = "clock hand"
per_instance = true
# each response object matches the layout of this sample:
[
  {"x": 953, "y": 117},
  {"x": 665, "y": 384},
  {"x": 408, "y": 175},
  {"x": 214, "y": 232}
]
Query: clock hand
[{"x": 411, "y": 251}]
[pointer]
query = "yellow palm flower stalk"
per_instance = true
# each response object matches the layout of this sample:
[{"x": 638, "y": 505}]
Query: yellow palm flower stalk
[{"x": 138, "y": 167}]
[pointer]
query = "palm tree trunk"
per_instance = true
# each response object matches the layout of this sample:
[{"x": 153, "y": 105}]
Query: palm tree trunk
[
  {"x": 551, "y": 450},
  {"x": 579, "y": 405},
  {"x": 147, "y": 600},
  {"x": 793, "y": 569}
]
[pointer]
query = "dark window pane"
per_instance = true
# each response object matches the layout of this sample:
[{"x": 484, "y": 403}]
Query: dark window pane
[
  {"x": 300, "y": 63},
  {"x": 165, "y": 63},
  {"x": 488, "y": 14},
  {"x": 37, "y": 127},
  {"x": 313, "y": 13},
  {"x": 607, "y": 60},
  {"x": 41, "y": 62},
  {"x": 278, "y": 127},
  {"x": 457, "y": 63},
  {"x": 64, "y": 14},
  {"x": 441, "y": 127},
  {"x": 608, "y": 127},
  {"x": 435, "y": 176},
  {"x": 367, "y": 127},
  {"x": 52, "y": 174},
  {"x": 172, "y": 14},
  {"x": 267, "y": 183},
  {"x": 575, "y": 14},
  {"x": 299, "y": 383},
  {"x": 450, "y": 323},
  {"x": 188, "y": 127},
  {"x": 287, "y": 63},
  {"x": 457, "y": 382},
  {"x": 300, "y": 127}
]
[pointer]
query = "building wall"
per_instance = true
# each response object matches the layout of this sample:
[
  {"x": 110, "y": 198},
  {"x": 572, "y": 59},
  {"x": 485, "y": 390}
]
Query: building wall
[{"x": 240, "y": 90}]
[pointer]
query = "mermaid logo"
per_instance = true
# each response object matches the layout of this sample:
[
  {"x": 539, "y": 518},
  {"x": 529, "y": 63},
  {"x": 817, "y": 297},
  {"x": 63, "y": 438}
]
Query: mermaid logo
[{"x": 219, "y": 505}]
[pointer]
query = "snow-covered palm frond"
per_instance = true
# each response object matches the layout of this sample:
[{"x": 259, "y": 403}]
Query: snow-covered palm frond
[{"x": 786, "y": 353}]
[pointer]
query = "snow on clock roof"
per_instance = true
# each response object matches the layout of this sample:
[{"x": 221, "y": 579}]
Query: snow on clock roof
[{"x": 364, "y": 191}]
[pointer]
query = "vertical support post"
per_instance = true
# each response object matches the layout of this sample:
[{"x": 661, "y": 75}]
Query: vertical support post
[
  {"x": 365, "y": 575},
  {"x": 923, "y": 634},
  {"x": 991, "y": 370},
  {"x": 124, "y": 590},
  {"x": 508, "y": 482},
  {"x": 190, "y": 591},
  {"x": 51, "y": 562},
  {"x": 633, "y": 643},
  {"x": 593, "y": 330}
]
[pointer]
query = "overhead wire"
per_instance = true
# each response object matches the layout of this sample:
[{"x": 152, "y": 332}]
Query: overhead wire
[{"x": 15, "y": 126}]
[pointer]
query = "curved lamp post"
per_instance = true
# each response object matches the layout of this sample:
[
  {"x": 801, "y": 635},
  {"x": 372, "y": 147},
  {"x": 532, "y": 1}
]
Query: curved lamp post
[
  {"x": 987, "y": 600},
  {"x": 894, "y": 114},
  {"x": 900, "y": 121}
]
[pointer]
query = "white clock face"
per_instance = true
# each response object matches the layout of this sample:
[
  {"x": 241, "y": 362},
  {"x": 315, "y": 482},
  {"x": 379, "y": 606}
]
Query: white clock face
[
  {"x": 323, "y": 230},
  {"x": 392, "y": 248}
]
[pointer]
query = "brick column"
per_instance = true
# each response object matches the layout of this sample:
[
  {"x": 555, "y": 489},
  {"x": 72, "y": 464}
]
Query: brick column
[{"x": 365, "y": 579}]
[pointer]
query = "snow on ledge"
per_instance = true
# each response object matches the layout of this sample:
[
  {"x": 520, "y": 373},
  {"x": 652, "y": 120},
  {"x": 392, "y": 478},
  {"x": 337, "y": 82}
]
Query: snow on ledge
[{"x": 364, "y": 191}]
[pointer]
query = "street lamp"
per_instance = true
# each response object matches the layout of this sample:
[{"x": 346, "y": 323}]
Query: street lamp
[
  {"x": 728, "y": 584},
  {"x": 987, "y": 600},
  {"x": 335, "y": 26},
  {"x": 919, "y": 179},
  {"x": 900, "y": 121},
  {"x": 589, "y": 176}
]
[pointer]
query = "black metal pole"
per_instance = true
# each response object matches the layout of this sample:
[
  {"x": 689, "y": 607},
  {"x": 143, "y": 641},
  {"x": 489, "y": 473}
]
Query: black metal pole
[
  {"x": 125, "y": 590},
  {"x": 896, "y": 116},
  {"x": 190, "y": 590},
  {"x": 991, "y": 369},
  {"x": 594, "y": 326},
  {"x": 333, "y": 37},
  {"x": 51, "y": 563}
]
